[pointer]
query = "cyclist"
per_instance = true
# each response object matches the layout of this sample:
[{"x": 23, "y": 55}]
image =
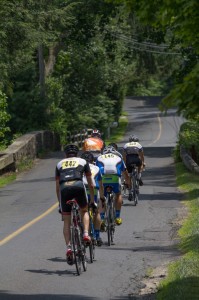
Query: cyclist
[
  {"x": 94, "y": 143},
  {"x": 134, "y": 154},
  {"x": 69, "y": 184},
  {"x": 112, "y": 167},
  {"x": 115, "y": 146},
  {"x": 98, "y": 192}
]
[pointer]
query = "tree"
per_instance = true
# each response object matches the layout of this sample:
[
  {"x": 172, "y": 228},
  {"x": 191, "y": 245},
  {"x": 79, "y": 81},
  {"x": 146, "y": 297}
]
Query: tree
[{"x": 181, "y": 19}]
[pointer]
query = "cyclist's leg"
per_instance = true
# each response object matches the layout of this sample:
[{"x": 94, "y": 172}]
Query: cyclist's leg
[
  {"x": 118, "y": 200},
  {"x": 66, "y": 217},
  {"x": 66, "y": 194},
  {"x": 96, "y": 217},
  {"x": 139, "y": 166},
  {"x": 82, "y": 200}
]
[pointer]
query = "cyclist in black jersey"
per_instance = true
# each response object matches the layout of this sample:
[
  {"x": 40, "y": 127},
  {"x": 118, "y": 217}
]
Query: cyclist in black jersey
[{"x": 69, "y": 184}]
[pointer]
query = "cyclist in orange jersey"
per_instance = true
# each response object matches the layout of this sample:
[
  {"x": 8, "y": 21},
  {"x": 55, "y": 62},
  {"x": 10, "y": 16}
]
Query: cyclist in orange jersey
[{"x": 94, "y": 143}]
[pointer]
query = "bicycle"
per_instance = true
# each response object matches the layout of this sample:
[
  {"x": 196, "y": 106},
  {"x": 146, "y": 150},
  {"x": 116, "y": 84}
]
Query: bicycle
[
  {"x": 110, "y": 215},
  {"x": 92, "y": 235},
  {"x": 134, "y": 185},
  {"x": 76, "y": 230}
]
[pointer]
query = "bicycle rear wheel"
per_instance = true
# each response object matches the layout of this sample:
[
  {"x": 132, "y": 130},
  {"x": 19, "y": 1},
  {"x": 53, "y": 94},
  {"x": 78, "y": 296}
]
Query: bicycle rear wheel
[
  {"x": 92, "y": 244},
  {"x": 76, "y": 250},
  {"x": 108, "y": 226},
  {"x": 112, "y": 218}
]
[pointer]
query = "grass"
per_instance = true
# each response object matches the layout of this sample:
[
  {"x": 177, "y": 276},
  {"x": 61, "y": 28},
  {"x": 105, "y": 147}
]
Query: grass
[
  {"x": 118, "y": 132},
  {"x": 7, "y": 178},
  {"x": 24, "y": 165},
  {"x": 182, "y": 282}
]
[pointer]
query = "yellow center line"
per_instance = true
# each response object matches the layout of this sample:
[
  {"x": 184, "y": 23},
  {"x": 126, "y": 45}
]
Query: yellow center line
[
  {"x": 15, "y": 233},
  {"x": 160, "y": 131}
]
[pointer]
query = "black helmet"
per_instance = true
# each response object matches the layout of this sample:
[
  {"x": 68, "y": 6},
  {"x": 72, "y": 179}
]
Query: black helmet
[
  {"x": 88, "y": 156},
  {"x": 96, "y": 132},
  {"x": 71, "y": 149},
  {"x": 133, "y": 138}
]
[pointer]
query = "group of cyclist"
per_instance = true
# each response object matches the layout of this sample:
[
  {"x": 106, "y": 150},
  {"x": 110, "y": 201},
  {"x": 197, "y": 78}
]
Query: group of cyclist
[{"x": 85, "y": 178}]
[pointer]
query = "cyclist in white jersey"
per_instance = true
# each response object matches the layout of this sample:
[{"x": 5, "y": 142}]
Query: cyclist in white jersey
[
  {"x": 98, "y": 192},
  {"x": 133, "y": 154}
]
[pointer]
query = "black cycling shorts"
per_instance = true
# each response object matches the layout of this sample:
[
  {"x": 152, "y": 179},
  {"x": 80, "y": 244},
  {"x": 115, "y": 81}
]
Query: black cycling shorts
[
  {"x": 132, "y": 159},
  {"x": 73, "y": 190}
]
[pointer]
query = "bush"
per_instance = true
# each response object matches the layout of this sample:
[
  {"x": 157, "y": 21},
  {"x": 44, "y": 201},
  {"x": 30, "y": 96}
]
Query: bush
[{"x": 189, "y": 138}]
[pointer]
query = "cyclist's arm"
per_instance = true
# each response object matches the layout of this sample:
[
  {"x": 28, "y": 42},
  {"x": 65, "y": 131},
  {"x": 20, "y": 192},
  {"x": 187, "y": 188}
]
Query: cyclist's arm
[
  {"x": 101, "y": 189},
  {"x": 57, "y": 190},
  {"x": 126, "y": 177},
  {"x": 57, "y": 175},
  {"x": 91, "y": 187},
  {"x": 142, "y": 156}
]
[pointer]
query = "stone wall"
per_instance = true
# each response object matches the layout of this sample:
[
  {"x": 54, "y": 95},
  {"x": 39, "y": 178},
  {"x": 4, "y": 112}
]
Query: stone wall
[
  {"x": 28, "y": 146},
  {"x": 188, "y": 161}
]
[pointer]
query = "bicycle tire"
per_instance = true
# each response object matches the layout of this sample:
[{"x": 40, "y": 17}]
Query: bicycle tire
[
  {"x": 76, "y": 246},
  {"x": 112, "y": 230},
  {"x": 108, "y": 226},
  {"x": 83, "y": 256},
  {"x": 82, "y": 246},
  {"x": 92, "y": 244}
]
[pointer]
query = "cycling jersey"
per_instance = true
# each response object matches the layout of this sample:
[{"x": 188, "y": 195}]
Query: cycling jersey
[
  {"x": 93, "y": 144},
  {"x": 72, "y": 168},
  {"x": 111, "y": 164},
  {"x": 133, "y": 148},
  {"x": 69, "y": 172},
  {"x": 111, "y": 167},
  {"x": 96, "y": 177}
]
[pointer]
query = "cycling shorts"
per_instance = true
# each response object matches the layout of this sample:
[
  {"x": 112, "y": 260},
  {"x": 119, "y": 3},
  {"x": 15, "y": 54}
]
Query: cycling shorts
[
  {"x": 72, "y": 190},
  {"x": 111, "y": 180},
  {"x": 132, "y": 159}
]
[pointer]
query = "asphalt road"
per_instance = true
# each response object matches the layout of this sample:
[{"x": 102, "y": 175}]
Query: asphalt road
[{"x": 32, "y": 250}]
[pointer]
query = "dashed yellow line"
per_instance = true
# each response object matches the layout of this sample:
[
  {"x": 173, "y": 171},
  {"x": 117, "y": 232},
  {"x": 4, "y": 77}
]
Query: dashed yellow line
[
  {"x": 15, "y": 233},
  {"x": 159, "y": 133}
]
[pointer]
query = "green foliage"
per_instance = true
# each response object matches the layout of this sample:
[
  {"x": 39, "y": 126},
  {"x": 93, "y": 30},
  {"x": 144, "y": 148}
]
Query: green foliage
[
  {"x": 182, "y": 279},
  {"x": 180, "y": 20},
  {"x": 189, "y": 138},
  {"x": 4, "y": 118}
]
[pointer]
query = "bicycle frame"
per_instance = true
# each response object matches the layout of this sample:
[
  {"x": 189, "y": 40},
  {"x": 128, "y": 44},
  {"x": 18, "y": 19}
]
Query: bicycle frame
[{"x": 76, "y": 231}]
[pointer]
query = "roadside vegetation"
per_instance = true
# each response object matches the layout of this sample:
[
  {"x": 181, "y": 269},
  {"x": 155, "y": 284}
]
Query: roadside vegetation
[
  {"x": 182, "y": 281},
  {"x": 75, "y": 71}
]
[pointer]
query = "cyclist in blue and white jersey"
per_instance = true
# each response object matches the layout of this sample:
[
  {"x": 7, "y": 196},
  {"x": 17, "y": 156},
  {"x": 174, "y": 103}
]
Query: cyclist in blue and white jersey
[{"x": 112, "y": 167}]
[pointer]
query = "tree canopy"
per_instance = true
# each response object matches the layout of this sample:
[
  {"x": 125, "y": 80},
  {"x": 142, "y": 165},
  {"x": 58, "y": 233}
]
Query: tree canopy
[
  {"x": 67, "y": 65},
  {"x": 179, "y": 19}
]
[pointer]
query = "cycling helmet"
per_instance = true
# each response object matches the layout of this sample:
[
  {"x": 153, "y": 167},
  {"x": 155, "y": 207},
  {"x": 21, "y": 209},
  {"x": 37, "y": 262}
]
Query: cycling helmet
[
  {"x": 96, "y": 132},
  {"x": 114, "y": 145},
  {"x": 71, "y": 149},
  {"x": 109, "y": 149},
  {"x": 88, "y": 156},
  {"x": 133, "y": 138}
]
